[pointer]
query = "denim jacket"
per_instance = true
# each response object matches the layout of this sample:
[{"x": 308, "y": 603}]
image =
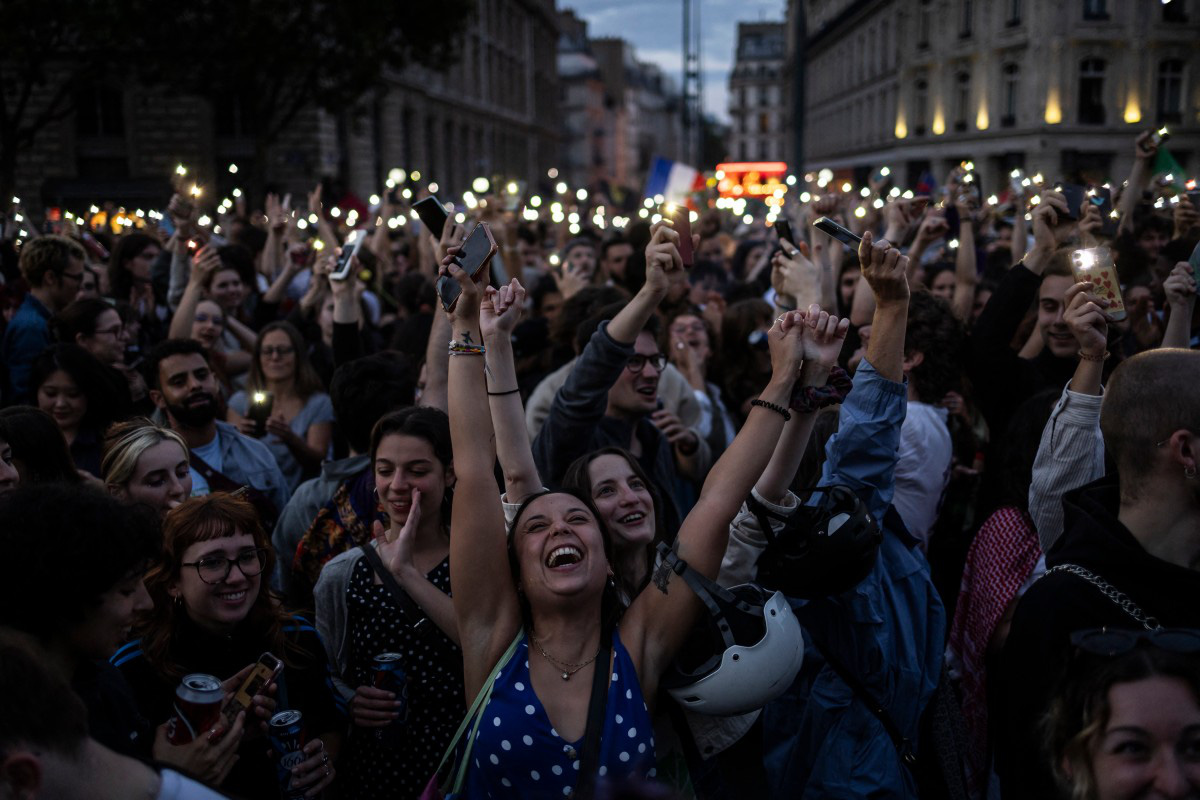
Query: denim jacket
[
  {"x": 26, "y": 337},
  {"x": 821, "y": 740}
]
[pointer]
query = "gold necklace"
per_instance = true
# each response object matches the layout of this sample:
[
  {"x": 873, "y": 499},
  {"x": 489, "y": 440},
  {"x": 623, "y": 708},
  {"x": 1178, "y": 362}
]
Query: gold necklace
[{"x": 568, "y": 669}]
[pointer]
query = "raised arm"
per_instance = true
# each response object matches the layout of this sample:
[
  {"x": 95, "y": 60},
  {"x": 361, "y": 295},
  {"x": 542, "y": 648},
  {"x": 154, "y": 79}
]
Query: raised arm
[
  {"x": 658, "y": 622},
  {"x": 1180, "y": 287},
  {"x": 966, "y": 272},
  {"x": 498, "y": 316},
  {"x": 205, "y": 265},
  {"x": 1144, "y": 153},
  {"x": 440, "y": 334},
  {"x": 485, "y": 600},
  {"x": 1071, "y": 452}
]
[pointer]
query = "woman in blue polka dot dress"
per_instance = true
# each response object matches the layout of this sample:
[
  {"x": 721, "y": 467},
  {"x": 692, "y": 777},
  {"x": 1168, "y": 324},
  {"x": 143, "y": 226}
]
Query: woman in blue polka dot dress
[{"x": 558, "y": 598}]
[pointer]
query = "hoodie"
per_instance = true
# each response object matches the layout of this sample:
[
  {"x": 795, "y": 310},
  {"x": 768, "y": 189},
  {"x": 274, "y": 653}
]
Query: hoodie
[{"x": 1059, "y": 604}]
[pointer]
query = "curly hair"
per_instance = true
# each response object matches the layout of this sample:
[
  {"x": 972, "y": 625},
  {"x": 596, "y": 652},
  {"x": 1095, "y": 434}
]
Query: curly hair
[
  {"x": 64, "y": 547},
  {"x": 203, "y": 519},
  {"x": 935, "y": 333}
]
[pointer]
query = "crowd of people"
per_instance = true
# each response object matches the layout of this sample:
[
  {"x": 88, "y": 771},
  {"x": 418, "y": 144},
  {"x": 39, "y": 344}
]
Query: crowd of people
[{"x": 641, "y": 513}]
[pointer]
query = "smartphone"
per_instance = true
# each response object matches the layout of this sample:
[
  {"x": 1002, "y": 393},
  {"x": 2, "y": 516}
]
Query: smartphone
[
  {"x": 475, "y": 254},
  {"x": 1096, "y": 266},
  {"x": 783, "y": 229},
  {"x": 826, "y": 225},
  {"x": 1101, "y": 198},
  {"x": 432, "y": 214},
  {"x": 354, "y": 243},
  {"x": 259, "y": 410},
  {"x": 1017, "y": 182},
  {"x": 1160, "y": 136},
  {"x": 1194, "y": 260},
  {"x": 265, "y": 671},
  {"x": 1074, "y": 195},
  {"x": 512, "y": 200},
  {"x": 682, "y": 219}
]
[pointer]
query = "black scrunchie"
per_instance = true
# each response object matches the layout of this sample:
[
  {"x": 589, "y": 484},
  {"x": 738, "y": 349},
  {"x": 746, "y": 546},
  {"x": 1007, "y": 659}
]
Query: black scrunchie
[{"x": 807, "y": 399}]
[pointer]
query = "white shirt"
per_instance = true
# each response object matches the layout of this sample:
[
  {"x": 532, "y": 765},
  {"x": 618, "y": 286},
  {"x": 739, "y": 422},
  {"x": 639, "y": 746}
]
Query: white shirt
[{"x": 923, "y": 468}]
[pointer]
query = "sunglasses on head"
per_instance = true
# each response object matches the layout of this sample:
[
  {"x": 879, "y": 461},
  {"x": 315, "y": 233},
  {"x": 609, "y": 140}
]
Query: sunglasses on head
[{"x": 1116, "y": 642}]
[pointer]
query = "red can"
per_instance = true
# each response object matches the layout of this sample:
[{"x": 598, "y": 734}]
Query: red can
[{"x": 198, "y": 703}]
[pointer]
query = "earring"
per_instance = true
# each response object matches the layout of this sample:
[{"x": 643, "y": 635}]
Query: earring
[{"x": 1189, "y": 473}]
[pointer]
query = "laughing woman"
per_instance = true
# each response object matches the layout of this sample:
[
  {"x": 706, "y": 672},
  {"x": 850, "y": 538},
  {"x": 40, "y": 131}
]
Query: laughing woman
[
  {"x": 556, "y": 606},
  {"x": 393, "y": 596},
  {"x": 213, "y": 614}
]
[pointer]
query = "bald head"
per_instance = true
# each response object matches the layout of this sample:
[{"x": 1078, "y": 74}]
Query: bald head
[{"x": 1149, "y": 397}]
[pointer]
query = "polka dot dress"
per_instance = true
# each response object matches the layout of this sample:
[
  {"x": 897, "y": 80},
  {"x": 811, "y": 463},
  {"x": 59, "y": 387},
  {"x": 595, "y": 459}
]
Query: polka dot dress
[
  {"x": 400, "y": 764},
  {"x": 518, "y": 754}
]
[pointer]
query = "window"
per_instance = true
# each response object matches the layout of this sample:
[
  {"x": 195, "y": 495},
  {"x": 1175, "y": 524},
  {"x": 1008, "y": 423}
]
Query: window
[
  {"x": 1174, "y": 11},
  {"x": 1008, "y": 112},
  {"x": 921, "y": 107},
  {"x": 1014, "y": 13},
  {"x": 1091, "y": 91},
  {"x": 962, "y": 100},
  {"x": 924, "y": 21},
  {"x": 1095, "y": 9},
  {"x": 1170, "y": 91},
  {"x": 99, "y": 112},
  {"x": 968, "y": 12}
]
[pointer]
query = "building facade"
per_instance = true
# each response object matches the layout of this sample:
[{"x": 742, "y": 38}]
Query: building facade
[
  {"x": 494, "y": 111},
  {"x": 1058, "y": 88},
  {"x": 758, "y": 96}
]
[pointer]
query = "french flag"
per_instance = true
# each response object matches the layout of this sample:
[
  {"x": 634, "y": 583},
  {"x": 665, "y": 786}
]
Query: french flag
[{"x": 673, "y": 180}]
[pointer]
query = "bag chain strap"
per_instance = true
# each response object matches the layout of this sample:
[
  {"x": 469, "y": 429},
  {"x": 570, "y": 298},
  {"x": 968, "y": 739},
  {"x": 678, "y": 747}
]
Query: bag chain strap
[{"x": 1112, "y": 593}]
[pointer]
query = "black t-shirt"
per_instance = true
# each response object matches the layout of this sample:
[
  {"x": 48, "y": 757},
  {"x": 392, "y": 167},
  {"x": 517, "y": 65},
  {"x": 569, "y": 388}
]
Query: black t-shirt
[
  {"x": 305, "y": 685},
  {"x": 113, "y": 717}
]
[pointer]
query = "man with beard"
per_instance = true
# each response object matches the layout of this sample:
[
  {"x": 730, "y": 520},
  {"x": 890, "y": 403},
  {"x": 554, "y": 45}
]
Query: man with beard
[{"x": 184, "y": 389}]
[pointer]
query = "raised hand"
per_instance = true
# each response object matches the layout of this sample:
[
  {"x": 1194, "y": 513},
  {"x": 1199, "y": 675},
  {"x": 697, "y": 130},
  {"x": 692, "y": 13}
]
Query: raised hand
[
  {"x": 453, "y": 235},
  {"x": 1085, "y": 315},
  {"x": 885, "y": 270},
  {"x": 1090, "y": 224},
  {"x": 501, "y": 309},
  {"x": 1050, "y": 224},
  {"x": 205, "y": 264},
  {"x": 466, "y": 307},
  {"x": 824, "y": 336},
  {"x": 794, "y": 275},
  {"x": 786, "y": 345},
  {"x": 397, "y": 554},
  {"x": 933, "y": 227},
  {"x": 570, "y": 278},
  {"x": 662, "y": 256},
  {"x": 1180, "y": 286}
]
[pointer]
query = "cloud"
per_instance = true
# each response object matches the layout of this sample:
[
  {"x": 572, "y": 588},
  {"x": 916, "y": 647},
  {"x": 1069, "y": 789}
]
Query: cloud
[{"x": 655, "y": 29}]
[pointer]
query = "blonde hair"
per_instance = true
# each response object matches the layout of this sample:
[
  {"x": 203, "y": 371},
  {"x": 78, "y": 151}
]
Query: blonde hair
[{"x": 124, "y": 443}]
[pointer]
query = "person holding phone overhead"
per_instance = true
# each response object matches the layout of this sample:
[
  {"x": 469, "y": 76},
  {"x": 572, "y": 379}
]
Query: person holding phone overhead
[
  {"x": 212, "y": 614},
  {"x": 547, "y": 635}
]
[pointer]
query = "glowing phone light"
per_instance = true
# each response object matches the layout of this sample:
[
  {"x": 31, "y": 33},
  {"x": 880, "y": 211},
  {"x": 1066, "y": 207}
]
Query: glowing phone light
[{"x": 481, "y": 185}]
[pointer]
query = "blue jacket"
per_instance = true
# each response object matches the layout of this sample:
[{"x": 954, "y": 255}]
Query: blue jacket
[
  {"x": 24, "y": 340},
  {"x": 821, "y": 740}
]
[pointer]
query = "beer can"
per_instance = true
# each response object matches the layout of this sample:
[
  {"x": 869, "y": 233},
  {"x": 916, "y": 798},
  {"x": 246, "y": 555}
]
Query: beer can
[
  {"x": 390, "y": 676},
  {"x": 286, "y": 734},
  {"x": 197, "y": 708}
]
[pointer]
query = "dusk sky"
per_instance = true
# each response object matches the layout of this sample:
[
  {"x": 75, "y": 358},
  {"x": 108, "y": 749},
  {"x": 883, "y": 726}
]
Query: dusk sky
[{"x": 655, "y": 28}]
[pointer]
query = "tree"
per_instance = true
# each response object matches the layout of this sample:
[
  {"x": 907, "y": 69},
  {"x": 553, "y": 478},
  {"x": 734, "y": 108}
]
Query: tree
[
  {"x": 272, "y": 58},
  {"x": 46, "y": 51}
]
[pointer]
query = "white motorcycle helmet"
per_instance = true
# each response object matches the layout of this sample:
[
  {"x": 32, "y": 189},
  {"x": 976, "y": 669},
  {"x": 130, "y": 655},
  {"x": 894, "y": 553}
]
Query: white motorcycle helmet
[{"x": 743, "y": 653}]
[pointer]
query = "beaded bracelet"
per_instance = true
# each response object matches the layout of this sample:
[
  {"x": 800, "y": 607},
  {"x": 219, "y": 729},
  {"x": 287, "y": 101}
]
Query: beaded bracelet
[
  {"x": 780, "y": 410},
  {"x": 1098, "y": 359},
  {"x": 466, "y": 349},
  {"x": 807, "y": 399}
]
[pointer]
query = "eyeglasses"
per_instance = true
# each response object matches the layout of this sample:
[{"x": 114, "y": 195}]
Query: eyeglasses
[
  {"x": 695, "y": 327},
  {"x": 115, "y": 330},
  {"x": 281, "y": 351},
  {"x": 1105, "y": 642},
  {"x": 216, "y": 569},
  {"x": 637, "y": 363}
]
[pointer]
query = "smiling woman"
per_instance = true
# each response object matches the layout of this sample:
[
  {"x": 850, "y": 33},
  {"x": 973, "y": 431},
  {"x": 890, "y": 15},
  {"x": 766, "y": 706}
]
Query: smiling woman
[
  {"x": 81, "y": 396},
  {"x": 213, "y": 614},
  {"x": 146, "y": 464}
]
